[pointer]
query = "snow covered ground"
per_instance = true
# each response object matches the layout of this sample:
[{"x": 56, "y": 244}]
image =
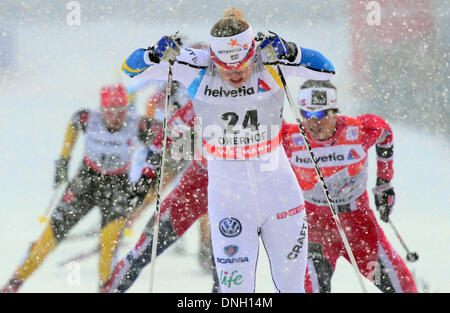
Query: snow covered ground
[{"x": 60, "y": 70}]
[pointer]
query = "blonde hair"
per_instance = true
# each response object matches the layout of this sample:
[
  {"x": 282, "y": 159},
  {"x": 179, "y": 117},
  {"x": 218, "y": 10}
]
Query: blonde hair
[{"x": 231, "y": 24}]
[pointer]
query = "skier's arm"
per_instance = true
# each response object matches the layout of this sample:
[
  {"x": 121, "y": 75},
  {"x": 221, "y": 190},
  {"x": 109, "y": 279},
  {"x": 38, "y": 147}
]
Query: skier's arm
[
  {"x": 378, "y": 132},
  {"x": 77, "y": 123},
  {"x": 309, "y": 64},
  {"x": 295, "y": 60},
  {"x": 148, "y": 129},
  {"x": 186, "y": 69}
]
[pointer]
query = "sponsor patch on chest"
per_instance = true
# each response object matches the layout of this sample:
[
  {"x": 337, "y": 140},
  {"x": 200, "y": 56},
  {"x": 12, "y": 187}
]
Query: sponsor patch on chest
[
  {"x": 352, "y": 133},
  {"x": 297, "y": 140},
  {"x": 329, "y": 156}
]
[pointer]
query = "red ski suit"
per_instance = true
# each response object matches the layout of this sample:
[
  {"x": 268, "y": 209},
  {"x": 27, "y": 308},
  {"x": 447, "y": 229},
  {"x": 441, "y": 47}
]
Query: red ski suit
[{"x": 343, "y": 164}]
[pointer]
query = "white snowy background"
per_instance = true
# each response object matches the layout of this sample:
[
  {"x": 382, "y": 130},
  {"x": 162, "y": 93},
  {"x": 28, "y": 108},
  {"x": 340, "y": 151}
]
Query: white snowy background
[{"x": 54, "y": 69}]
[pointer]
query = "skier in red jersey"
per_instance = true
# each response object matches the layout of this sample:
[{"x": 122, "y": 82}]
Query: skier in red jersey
[{"x": 340, "y": 144}]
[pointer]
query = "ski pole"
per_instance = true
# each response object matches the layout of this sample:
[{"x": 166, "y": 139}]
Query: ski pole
[
  {"x": 85, "y": 235},
  {"x": 79, "y": 257},
  {"x": 84, "y": 255},
  {"x": 274, "y": 58},
  {"x": 410, "y": 256},
  {"x": 159, "y": 173},
  {"x": 44, "y": 218}
]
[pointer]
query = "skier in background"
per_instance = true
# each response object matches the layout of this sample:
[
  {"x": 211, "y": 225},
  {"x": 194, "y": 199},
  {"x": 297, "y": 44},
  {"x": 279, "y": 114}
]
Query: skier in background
[
  {"x": 102, "y": 180},
  {"x": 185, "y": 204},
  {"x": 340, "y": 144}
]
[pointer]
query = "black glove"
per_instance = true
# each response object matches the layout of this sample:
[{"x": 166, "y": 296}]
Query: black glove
[
  {"x": 384, "y": 198},
  {"x": 138, "y": 190},
  {"x": 61, "y": 170},
  {"x": 154, "y": 157}
]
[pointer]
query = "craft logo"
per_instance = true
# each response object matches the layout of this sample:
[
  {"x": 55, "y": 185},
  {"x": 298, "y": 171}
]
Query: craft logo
[
  {"x": 230, "y": 227},
  {"x": 227, "y": 279},
  {"x": 262, "y": 86},
  {"x": 303, "y": 102},
  {"x": 319, "y": 97},
  {"x": 352, "y": 155},
  {"x": 296, "y": 249},
  {"x": 231, "y": 250}
]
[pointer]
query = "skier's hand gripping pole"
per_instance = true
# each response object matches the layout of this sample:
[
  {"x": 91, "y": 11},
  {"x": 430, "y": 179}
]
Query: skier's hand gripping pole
[
  {"x": 273, "y": 56},
  {"x": 166, "y": 49}
]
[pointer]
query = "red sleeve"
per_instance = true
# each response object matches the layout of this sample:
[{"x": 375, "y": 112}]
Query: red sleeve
[
  {"x": 180, "y": 122},
  {"x": 376, "y": 131},
  {"x": 286, "y": 129}
]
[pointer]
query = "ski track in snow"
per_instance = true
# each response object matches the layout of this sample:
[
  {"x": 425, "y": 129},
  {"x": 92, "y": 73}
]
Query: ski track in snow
[{"x": 39, "y": 98}]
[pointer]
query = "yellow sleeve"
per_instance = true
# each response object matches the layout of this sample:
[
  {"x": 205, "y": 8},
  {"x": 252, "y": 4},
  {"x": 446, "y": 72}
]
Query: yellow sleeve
[{"x": 69, "y": 141}]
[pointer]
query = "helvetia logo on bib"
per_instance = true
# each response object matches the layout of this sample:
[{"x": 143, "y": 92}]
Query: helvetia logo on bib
[
  {"x": 352, "y": 155},
  {"x": 262, "y": 86},
  {"x": 240, "y": 92}
]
